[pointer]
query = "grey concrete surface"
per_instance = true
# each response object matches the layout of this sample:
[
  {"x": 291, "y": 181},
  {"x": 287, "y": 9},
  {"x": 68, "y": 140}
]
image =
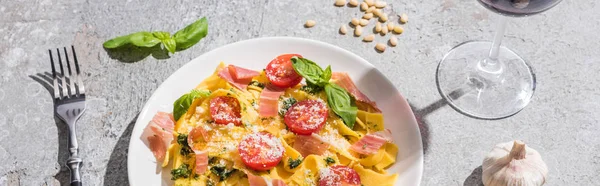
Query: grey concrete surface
[{"x": 562, "y": 44}]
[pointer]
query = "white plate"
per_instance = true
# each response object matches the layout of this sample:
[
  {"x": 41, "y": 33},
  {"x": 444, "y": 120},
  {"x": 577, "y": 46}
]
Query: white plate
[{"x": 255, "y": 54}]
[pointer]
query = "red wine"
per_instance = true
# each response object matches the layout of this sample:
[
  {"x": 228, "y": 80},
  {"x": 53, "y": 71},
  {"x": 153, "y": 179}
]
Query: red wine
[{"x": 518, "y": 8}]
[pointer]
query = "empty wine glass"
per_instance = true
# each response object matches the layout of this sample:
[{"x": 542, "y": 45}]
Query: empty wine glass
[{"x": 485, "y": 80}]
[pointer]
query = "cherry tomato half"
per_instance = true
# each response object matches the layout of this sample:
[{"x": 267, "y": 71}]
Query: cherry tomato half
[
  {"x": 281, "y": 73},
  {"x": 261, "y": 151},
  {"x": 225, "y": 110},
  {"x": 306, "y": 117},
  {"x": 338, "y": 175}
]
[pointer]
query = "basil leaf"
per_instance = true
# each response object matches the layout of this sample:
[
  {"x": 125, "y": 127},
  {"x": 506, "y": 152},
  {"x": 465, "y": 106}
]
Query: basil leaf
[
  {"x": 192, "y": 34},
  {"x": 182, "y": 104},
  {"x": 170, "y": 45},
  {"x": 326, "y": 74},
  {"x": 341, "y": 104},
  {"x": 310, "y": 71},
  {"x": 143, "y": 39},
  {"x": 162, "y": 35},
  {"x": 118, "y": 41}
]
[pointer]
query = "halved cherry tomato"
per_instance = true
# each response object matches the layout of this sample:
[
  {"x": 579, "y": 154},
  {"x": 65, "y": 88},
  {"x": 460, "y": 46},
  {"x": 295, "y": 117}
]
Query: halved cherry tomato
[
  {"x": 281, "y": 73},
  {"x": 338, "y": 175},
  {"x": 306, "y": 117},
  {"x": 261, "y": 151},
  {"x": 225, "y": 110}
]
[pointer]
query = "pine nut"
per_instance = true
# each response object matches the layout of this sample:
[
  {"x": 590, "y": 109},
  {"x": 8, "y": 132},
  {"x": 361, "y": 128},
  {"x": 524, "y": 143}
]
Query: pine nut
[
  {"x": 310, "y": 23},
  {"x": 384, "y": 31},
  {"x": 371, "y": 9},
  {"x": 370, "y": 2},
  {"x": 398, "y": 29},
  {"x": 364, "y": 22},
  {"x": 376, "y": 12},
  {"x": 380, "y": 47},
  {"x": 368, "y": 16},
  {"x": 383, "y": 18},
  {"x": 340, "y": 2},
  {"x": 403, "y": 18},
  {"x": 358, "y": 30},
  {"x": 393, "y": 41},
  {"x": 380, "y": 4},
  {"x": 369, "y": 38},
  {"x": 353, "y": 3},
  {"x": 355, "y": 22},
  {"x": 364, "y": 6},
  {"x": 377, "y": 27},
  {"x": 390, "y": 26},
  {"x": 343, "y": 30}
]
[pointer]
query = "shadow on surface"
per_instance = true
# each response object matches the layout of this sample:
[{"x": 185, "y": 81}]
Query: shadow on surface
[
  {"x": 116, "y": 170},
  {"x": 45, "y": 79},
  {"x": 132, "y": 54},
  {"x": 420, "y": 115},
  {"x": 475, "y": 178}
]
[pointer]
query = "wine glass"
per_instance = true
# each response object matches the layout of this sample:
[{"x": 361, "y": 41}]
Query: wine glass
[{"x": 484, "y": 80}]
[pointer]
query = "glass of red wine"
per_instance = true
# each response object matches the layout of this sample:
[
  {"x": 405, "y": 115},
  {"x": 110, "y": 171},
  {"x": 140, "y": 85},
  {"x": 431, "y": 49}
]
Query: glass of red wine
[{"x": 484, "y": 80}]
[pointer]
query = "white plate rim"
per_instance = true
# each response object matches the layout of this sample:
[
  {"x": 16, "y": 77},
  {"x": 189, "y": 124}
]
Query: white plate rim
[{"x": 144, "y": 112}]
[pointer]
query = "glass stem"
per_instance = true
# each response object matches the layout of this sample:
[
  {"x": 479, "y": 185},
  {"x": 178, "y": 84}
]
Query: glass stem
[{"x": 490, "y": 64}]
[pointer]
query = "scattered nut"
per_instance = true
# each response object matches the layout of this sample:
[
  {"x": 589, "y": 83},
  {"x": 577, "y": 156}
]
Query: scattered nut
[
  {"x": 370, "y": 2},
  {"x": 380, "y": 4},
  {"x": 364, "y": 6},
  {"x": 368, "y": 16},
  {"x": 393, "y": 41},
  {"x": 377, "y": 27},
  {"x": 383, "y": 18},
  {"x": 371, "y": 9},
  {"x": 340, "y": 2},
  {"x": 403, "y": 18},
  {"x": 310, "y": 23},
  {"x": 353, "y": 3},
  {"x": 364, "y": 22},
  {"x": 343, "y": 30},
  {"x": 369, "y": 38},
  {"x": 358, "y": 30},
  {"x": 398, "y": 29},
  {"x": 376, "y": 12},
  {"x": 355, "y": 21},
  {"x": 380, "y": 47},
  {"x": 384, "y": 31},
  {"x": 390, "y": 26}
]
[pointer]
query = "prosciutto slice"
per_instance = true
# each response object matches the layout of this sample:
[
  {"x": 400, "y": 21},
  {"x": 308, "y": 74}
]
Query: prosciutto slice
[
  {"x": 343, "y": 80},
  {"x": 201, "y": 161},
  {"x": 159, "y": 133},
  {"x": 262, "y": 181},
  {"x": 310, "y": 144},
  {"x": 201, "y": 156},
  {"x": 371, "y": 143},
  {"x": 239, "y": 73},
  {"x": 269, "y": 101}
]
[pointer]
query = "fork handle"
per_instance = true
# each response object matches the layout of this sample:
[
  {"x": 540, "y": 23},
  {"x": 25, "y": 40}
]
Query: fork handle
[
  {"x": 74, "y": 161},
  {"x": 76, "y": 183}
]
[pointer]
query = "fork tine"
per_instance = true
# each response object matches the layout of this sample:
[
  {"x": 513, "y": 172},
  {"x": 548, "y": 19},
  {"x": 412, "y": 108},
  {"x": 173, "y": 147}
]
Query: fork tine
[
  {"x": 63, "y": 83},
  {"x": 79, "y": 82},
  {"x": 70, "y": 74},
  {"x": 56, "y": 92}
]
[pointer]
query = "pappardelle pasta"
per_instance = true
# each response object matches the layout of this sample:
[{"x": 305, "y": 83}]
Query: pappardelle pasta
[{"x": 246, "y": 127}]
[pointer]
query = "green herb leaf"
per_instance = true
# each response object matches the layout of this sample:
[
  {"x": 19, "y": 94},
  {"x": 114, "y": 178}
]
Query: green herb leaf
[
  {"x": 192, "y": 34},
  {"x": 310, "y": 71},
  {"x": 182, "y": 172},
  {"x": 287, "y": 103},
  {"x": 182, "y": 104},
  {"x": 256, "y": 83},
  {"x": 183, "y": 142},
  {"x": 222, "y": 172},
  {"x": 143, "y": 39},
  {"x": 329, "y": 160},
  {"x": 170, "y": 45},
  {"x": 311, "y": 89},
  {"x": 162, "y": 35},
  {"x": 326, "y": 74},
  {"x": 117, "y": 42},
  {"x": 341, "y": 103},
  {"x": 294, "y": 163}
]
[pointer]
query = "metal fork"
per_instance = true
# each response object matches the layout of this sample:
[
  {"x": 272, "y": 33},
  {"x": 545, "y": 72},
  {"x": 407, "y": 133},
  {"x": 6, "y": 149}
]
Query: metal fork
[{"x": 69, "y": 105}]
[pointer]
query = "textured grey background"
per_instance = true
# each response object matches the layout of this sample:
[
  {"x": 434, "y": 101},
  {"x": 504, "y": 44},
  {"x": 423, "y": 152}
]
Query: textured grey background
[{"x": 562, "y": 44}]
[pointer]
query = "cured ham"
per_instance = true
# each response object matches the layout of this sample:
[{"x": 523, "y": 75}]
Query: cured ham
[
  {"x": 195, "y": 133},
  {"x": 371, "y": 143},
  {"x": 159, "y": 133},
  {"x": 343, "y": 80},
  {"x": 237, "y": 76},
  {"x": 269, "y": 101},
  {"x": 310, "y": 144},
  {"x": 239, "y": 73},
  {"x": 201, "y": 161},
  {"x": 254, "y": 180}
]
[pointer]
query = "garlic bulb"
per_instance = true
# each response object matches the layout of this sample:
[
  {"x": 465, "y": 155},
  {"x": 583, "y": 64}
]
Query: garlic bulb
[{"x": 513, "y": 164}]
